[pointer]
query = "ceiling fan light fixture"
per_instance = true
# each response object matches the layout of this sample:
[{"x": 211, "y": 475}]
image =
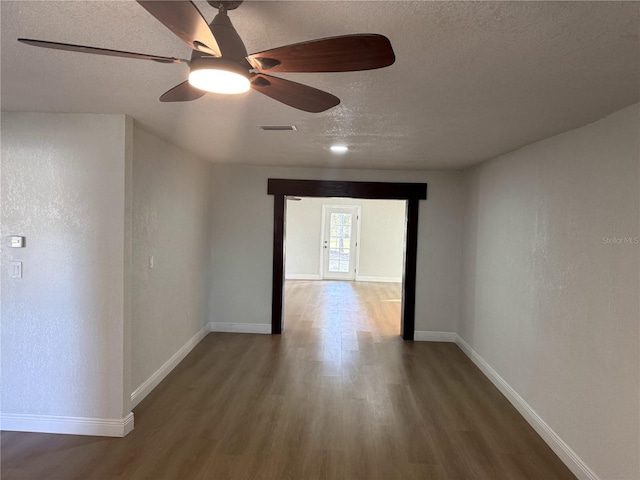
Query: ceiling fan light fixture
[
  {"x": 216, "y": 75},
  {"x": 219, "y": 81}
]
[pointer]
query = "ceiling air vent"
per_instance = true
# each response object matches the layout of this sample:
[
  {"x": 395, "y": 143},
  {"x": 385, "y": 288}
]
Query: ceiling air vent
[{"x": 278, "y": 128}]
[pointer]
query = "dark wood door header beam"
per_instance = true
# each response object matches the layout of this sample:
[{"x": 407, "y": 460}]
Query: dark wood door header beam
[
  {"x": 326, "y": 188},
  {"x": 411, "y": 192}
]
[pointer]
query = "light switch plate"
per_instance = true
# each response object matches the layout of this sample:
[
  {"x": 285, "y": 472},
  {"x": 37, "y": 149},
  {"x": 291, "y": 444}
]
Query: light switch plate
[{"x": 16, "y": 269}]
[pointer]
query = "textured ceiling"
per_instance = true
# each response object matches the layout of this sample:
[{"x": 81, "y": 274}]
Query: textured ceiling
[{"x": 472, "y": 80}]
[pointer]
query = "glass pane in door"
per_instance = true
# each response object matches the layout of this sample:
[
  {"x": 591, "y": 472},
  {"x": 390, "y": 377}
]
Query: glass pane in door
[{"x": 340, "y": 243}]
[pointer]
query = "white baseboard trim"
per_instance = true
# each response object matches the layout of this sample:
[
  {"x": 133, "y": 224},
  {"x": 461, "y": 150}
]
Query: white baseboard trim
[
  {"x": 152, "y": 382},
  {"x": 564, "y": 452},
  {"x": 365, "y": 278},
  {"x": 261, "y": 328},
  {"x": 302, "y": 276},
  {"x": 102, "y": 427},
  {"x": 428, "y": 336}
]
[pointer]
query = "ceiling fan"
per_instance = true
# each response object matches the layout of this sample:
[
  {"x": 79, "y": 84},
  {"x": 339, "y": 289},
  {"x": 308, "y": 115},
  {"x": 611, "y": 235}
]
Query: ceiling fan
[{"x": 220, "y": 64}]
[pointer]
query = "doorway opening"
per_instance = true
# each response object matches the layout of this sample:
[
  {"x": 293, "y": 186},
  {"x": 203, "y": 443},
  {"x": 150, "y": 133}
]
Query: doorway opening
[
  {"x": 343, "y": 265},
  {"x": 411, "y": 192}
]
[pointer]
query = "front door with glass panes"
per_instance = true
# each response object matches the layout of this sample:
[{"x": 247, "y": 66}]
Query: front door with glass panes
[{"x": 340, "y": 242}]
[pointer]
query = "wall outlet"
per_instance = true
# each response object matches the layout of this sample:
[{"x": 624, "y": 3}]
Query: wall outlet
[{"x": 150, "y": 261}]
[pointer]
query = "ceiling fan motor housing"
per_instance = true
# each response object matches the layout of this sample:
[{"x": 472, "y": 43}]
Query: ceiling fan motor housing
[{"x": 229, "y": 42}]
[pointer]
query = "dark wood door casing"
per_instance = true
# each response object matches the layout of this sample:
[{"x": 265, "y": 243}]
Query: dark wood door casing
[{"x": 411, "y": 192}]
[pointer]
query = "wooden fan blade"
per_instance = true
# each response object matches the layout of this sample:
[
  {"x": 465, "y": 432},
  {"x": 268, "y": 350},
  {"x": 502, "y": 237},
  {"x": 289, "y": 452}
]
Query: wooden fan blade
[
  {"x": 183, "y": 92},
  {"x": 99, "y": 51},
  {"x": 294, "y": 94},
  {"x": 347, "y": 53},
  {"x": 185, "y": 20}
]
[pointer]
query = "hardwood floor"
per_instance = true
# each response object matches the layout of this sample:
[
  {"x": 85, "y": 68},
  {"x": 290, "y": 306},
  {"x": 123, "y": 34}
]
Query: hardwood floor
[{"x": 338, "y": 396}]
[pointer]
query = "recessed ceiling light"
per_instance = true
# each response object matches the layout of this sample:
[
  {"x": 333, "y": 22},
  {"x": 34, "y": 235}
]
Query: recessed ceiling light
[{"x": 339, "y": 149}]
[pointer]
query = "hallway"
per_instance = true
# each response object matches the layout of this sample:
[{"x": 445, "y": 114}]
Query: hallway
[{"x": 338, "y": 396}]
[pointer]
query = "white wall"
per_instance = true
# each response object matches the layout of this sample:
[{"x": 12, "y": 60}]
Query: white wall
[
  {"x": 302, "y": 239},
  {"x": 551, "y": 301},
  {"x": 382, "y": 239},
  {"x": 380, "y": 246},
  {"x": 171, "y": 222},
  {"x": 90, "y": 322},
  {"x": 64, "y": 323},
  {"x": 242, "y": 241}
]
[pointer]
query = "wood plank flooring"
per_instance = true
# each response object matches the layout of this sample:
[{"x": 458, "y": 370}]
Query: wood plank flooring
[{"x": 338, "y": 396}]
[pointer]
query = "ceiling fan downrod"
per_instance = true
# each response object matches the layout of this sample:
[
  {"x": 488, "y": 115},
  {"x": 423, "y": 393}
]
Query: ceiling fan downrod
[{"x": 224, "y": 6}]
